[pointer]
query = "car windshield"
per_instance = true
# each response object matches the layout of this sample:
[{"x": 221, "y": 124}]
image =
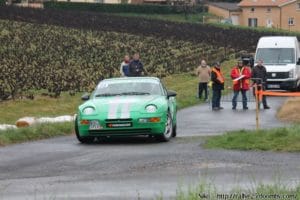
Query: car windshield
[
  {"x": 276, "y": 55},
  {"x": 128, "y": 87}
]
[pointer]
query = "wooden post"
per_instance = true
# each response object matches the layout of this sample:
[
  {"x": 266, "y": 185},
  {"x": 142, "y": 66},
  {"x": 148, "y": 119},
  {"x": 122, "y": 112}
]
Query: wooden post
[{"x": 257, "y": 107}]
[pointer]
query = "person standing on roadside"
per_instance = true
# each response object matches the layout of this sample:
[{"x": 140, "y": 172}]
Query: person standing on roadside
[
  {"x": 204, "y": 73},
  {"x": 259, "y": 75},
  {"x": 136, "y": 67},
  {"x": 124, "y": 69},
  {"x": 218, "y": 80},
  {"x": 240, "y": 75}
]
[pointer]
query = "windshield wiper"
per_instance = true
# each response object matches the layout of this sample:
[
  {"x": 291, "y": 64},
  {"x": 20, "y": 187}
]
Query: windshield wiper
[
  {"x": 135, "y": 93},
  {"x": 106, "y": 95}
]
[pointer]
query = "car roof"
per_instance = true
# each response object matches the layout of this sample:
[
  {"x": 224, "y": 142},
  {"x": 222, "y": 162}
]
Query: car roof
[{"x": 146, "y": 78}]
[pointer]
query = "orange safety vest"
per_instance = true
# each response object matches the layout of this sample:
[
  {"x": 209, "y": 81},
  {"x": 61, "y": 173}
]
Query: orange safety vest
[
  {"x": 240, "y": 72},
  {"x": 220, "y": 76}
]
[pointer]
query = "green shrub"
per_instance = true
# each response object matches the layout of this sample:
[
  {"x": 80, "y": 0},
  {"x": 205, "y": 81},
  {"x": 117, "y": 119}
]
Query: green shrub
[
  {"x": 2, "y": 2},
  {"x": 124, "y": 8}
]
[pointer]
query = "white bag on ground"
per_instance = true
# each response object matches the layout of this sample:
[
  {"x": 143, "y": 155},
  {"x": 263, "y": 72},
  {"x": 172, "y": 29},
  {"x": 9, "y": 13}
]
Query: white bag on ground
[
  {"x": 25, "y": 121},
  {"x": 28, "y": 121},
  {"x": 7, "y": 126},
  {"x": 65, "y": 118}
]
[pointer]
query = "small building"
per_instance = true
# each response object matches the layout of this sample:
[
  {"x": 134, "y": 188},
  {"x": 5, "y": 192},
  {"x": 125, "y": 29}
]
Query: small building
[
  {"x": 228, "y": 11},
  {"x": 283, "y": 14}
]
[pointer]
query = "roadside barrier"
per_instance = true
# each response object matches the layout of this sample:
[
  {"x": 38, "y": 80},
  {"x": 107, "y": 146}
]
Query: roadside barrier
[
  {"x": 279, "y": 94},
  {"x": 260, "y": 93},
  {"x": 254, "y": 95}
]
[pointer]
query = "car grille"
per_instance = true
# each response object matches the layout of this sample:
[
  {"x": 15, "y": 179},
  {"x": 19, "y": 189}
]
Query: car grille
[
  {"x": 278, "y": 75},
  {"x": 119, "y": 120},
  {"x": 141, "y": 131}
]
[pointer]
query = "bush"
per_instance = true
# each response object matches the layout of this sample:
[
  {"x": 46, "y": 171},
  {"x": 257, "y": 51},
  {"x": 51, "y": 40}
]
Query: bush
[
  {"x": 125, "y": 8},
  {"x": 2, "y": 2},
  {"x": 59, "y": 59}
]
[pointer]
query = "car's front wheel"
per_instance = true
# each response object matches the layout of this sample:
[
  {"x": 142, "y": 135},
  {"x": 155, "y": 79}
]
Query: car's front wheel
[
  {"x": 168, "y": 133},
  {"x": 84, "y": 140}
]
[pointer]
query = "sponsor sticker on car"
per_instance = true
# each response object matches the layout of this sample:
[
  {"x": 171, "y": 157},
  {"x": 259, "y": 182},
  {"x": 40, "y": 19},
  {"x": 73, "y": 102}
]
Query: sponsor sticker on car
[{"x": 118, "y": 125}]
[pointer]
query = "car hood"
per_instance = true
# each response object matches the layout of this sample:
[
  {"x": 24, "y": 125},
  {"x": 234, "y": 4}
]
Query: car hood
[
  {"x": 280, "y": 68},
  {"x": 122, "y": 106}
]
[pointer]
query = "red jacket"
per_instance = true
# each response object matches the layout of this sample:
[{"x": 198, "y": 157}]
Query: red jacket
[{"x": 244, "y": 83}]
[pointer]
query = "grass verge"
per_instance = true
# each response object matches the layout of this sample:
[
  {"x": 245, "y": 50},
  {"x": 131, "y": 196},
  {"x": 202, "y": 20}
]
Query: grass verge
[
  {"x": 277, "y": 139},
  {"x": 261, "y": 191},
  {"x": 41, "y": 106},
  {"x": 39, "y": 131},
  {"x": 290, "y": 110}
]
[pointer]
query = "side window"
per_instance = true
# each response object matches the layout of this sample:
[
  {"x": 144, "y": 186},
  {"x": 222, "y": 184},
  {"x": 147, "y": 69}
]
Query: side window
[{"x": 164, "y": 88}]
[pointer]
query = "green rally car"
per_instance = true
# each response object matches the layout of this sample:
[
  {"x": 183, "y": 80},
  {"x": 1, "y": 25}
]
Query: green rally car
[{"x": 127, "y": 107}]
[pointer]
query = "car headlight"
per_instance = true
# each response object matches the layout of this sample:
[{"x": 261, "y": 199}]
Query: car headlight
[
  {"x": 88, "y": 110},
  {"x": 151, "y": 108},
  {"x": 291, "y": 74}
]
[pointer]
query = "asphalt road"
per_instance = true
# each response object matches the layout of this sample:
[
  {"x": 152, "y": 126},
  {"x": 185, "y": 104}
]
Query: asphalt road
[
  {"x": 140, "y": 168},
  {"x": 200, "y": 120}
]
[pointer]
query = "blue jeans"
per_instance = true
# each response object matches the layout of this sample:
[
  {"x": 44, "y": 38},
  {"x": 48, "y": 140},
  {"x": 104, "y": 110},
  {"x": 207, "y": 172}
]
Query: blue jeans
[
  {"x": 235, "y": 96},
  {"x": 216, "y": 98}
]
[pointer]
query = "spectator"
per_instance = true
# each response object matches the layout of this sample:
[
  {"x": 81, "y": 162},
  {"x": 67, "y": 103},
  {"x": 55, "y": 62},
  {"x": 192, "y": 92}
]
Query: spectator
[
  {"x": 241, "y": 83},
  {"x": 124, "y": 69},
  {"x": 136, "y": 67},
  {"x": 204, "y": 73},
  {"x": 259, "y": 75},
  {"x": 218, "y": 80}
]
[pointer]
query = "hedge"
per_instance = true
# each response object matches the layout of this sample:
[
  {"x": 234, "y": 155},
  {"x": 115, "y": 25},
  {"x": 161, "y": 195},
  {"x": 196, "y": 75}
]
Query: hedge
[
  {"x": 2, "y": 2},
  {"x": 125, "y": 8}
]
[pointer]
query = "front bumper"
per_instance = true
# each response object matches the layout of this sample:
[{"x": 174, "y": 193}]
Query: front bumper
[
  {"x": 290, "y": 84},
  {"x": 136, "y": 128}
]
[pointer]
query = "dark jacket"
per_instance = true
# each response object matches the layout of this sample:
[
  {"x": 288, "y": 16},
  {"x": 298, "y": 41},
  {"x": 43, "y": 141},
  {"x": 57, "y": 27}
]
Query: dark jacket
[
  {"x": 217, "y": 85},
  {"x": 259, "y": 72},
  {"x": 136, "y": 68}
]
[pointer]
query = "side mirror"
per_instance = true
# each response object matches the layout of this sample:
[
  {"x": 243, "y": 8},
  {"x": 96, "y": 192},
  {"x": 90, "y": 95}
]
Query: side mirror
[
  {"x": 171, "y": 93},
  {"x": 85, "y": 97},
  {"x": 298, "y": 62}
]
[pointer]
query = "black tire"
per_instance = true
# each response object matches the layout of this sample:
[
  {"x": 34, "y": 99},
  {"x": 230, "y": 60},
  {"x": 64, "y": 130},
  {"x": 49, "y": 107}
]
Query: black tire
[
  {"x": 168, "y": 133},
  {"x": 84, "y": 140},
  {"x": 174, "y": 131}
]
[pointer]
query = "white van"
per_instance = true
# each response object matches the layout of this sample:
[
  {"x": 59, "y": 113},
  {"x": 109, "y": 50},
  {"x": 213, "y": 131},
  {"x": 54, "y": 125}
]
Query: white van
[{"x": 280, "y": 55}]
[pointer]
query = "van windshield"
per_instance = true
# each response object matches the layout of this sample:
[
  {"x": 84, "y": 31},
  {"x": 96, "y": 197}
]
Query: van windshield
[{"x": 276, "y": 55}]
